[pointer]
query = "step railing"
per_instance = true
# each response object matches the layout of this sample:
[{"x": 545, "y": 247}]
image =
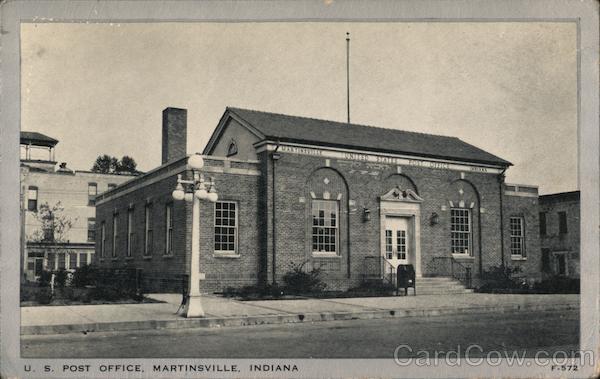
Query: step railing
[
  {"x": 449, "y": 266},
  {"x": 379, "y": 268}
]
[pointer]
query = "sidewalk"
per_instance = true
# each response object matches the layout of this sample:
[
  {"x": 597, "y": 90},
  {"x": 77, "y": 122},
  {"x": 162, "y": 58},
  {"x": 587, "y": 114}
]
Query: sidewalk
[{"x": 228, "y": 312}]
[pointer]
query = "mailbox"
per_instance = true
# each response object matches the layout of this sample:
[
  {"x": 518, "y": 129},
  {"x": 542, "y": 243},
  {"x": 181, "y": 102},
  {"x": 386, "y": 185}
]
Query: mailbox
[{"x": 406, "y": 278}]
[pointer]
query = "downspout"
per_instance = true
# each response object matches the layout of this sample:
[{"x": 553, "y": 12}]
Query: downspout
[
  {"x": 501, "y": 186},
  {"x": 275, "y": 157}
]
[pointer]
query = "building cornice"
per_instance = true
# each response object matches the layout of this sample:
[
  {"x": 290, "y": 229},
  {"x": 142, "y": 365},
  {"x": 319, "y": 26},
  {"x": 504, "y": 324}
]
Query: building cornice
[{"x": 377, "y": 157}]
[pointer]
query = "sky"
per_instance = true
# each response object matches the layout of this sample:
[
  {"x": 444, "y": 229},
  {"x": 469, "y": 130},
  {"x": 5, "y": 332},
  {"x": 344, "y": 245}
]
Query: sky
[{"x": 509, "y": 88}]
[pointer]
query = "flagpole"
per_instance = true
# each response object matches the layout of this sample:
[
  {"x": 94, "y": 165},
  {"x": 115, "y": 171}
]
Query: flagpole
[{"x": 348, "y": 74}]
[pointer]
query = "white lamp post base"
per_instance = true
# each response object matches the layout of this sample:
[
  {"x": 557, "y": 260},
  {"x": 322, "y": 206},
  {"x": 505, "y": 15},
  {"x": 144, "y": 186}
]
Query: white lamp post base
[{"x": 193, "y": 307}]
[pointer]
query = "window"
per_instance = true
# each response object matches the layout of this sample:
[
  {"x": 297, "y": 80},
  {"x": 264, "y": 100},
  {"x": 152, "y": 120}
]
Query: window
[
  {"x": 169, "y": 229},
  {"x": 62, "y": 261},
  {"x": 401, "y": 243},
  {"x": 73, "y": 261},
  {"x": 32, "y": 199},
  {"x": 111, "y": 186},
  {"x": 517, "y": 237},
  {"x": 91, "y": 231},
  {"x": 562, "y": 223},
  {"x": 83, "y": 259},
  {"x": 388, "y": 244},
  {"x": 92, "y": 192},
  {"x": 324, "y": 226},
  {"x": 102, "y": 239},
  {"x": 115, "y": 234},
  {"x": 232, "y": 150},
  {"x": 460, "y": 230},
  {"x": 542, "y": 223},
  {"x": 148, "y": 230},
  {"x": 225, "y": 227},
  {"x": 129, "y": 231}
]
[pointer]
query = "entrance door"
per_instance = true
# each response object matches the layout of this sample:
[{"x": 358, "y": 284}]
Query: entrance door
[
  {"x": 38, "y": 267},
  {"x": 397, "y": 241}
]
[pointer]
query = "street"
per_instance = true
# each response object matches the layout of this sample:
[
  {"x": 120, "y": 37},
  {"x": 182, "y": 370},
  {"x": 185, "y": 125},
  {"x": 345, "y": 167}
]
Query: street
[{"x": 533, "y": 331}]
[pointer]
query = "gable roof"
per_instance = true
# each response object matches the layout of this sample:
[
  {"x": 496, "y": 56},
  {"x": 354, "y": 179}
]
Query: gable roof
[
  {"x": 38, "y": 139},
  {"x": 285, "y": 128}
]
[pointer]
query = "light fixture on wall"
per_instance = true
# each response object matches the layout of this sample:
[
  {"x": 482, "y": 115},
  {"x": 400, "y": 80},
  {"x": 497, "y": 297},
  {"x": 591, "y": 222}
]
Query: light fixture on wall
[
  {"x": 434, "y": 219},
  {"x": 366, "y": 214}
]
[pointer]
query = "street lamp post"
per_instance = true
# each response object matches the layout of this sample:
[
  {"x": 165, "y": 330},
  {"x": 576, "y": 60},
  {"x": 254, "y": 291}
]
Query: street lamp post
[{"x": 197, "y": 191}]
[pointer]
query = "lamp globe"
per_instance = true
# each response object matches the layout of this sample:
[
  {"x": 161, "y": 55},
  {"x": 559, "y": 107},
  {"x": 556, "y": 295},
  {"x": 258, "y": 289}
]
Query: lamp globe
[
  {"x": 201, "y": 193},
  {"x": 213, "y": 197},
  {"x": 196, "y": 161},
  {"x": 178, "y": 194}
]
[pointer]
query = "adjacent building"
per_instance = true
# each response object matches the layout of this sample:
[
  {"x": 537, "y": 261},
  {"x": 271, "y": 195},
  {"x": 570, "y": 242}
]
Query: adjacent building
[
  {"x": 43, "y": 182},
  {"x": 353, "y": 200},
  {"x": 560, "y": 233}
]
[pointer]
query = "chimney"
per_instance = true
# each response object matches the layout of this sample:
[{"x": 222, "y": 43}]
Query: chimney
[{"x": 174, "y": 134}]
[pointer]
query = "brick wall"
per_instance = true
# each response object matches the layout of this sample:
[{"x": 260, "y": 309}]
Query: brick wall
[
  {"x": 525, "y": 207},
  {"x": 366, "y": 182},
  {"x": 163, "y": 273},
  {"x": 298, "y": 178},
  {"x": 564, "y": 243}
]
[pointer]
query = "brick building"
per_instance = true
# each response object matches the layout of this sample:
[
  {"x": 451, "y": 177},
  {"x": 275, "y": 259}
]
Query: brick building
[
  {"x": 353, "y": 200},
  {"x": 43, "y": 182},
  {"x": 560, "y": 234}
]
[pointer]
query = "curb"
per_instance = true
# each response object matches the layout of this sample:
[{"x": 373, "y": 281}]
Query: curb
[{"x": 217, "y": 322}]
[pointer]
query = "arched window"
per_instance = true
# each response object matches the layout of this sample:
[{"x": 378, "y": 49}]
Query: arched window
[
  {"x": 328, "y": 196},
  {"x": 463, "y": 200}
]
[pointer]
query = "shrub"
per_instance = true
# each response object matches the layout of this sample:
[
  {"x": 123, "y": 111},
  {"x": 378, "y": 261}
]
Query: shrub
[
  {"x": 85, "y": 276},
  {"x": 60, "y": 278},
  {"x": 299, "y": 281},
  {"x": 501, "y": 278},
  {"x": 557, "y": 284},
  {"x": 374, "y": 287},
  {"x": 45, "y": 278},
  {"x": 43, "y": 295},
  {"x": 28, "y": 291}
]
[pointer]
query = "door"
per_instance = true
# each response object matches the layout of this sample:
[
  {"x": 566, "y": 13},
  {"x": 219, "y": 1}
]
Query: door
[
  {"x": 397, "y": 241},
  {"x": 38, "y": 267}
]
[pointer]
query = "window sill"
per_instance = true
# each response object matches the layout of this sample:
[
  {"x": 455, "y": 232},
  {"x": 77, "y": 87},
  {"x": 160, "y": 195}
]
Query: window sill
[
  {"x": 463, "y": 257},
  {"x": 114, "y": 258},
  {"x": 167, "y": 256},
  {"x": 225, "y": 255},
  {"x": 128, "y": 258},
  {"x": 518, "y": 258},
  {"x": 325, "y": 255},
  {"x": 147, "y": 257}
]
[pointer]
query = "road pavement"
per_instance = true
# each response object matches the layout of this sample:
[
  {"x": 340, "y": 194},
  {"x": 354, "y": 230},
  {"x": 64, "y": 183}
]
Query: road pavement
[{"x": 377, "y": 338}]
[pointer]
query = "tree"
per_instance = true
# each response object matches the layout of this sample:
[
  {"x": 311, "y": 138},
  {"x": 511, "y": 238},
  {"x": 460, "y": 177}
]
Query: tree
[
  {"x": 105, "y": 164},
  {"x": 54, "y": 225},
  {"x": 51, "y": 236},
  {"x": 127, "y": 164}
]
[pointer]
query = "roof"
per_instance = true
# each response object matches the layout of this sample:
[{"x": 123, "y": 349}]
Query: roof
[
  {"x": 560, "y": 196},
  {"x": 296, "y": 129},
  {"x": 38, "y": 139}
]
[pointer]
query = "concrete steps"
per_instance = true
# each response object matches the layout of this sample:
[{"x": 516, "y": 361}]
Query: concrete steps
[{"x": 439, "y": 286}]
